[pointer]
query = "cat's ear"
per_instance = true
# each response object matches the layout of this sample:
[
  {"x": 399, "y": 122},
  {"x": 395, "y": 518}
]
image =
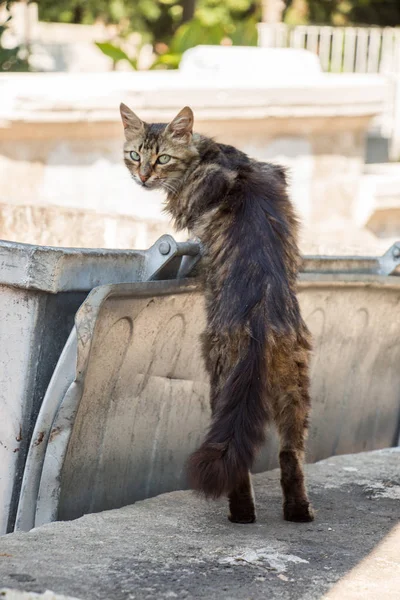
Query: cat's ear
[
  {"x": 182, "y": 126},
  {"x": 133, "y": 126}
]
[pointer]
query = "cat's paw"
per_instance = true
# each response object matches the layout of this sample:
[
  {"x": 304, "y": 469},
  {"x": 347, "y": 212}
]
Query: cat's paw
[
  {"x": 300, "y": 512},
  {"x": 242, "y": 517}
]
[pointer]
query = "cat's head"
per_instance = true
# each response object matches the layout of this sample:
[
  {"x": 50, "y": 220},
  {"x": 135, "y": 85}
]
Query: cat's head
[{"x": 158, "y": 154}]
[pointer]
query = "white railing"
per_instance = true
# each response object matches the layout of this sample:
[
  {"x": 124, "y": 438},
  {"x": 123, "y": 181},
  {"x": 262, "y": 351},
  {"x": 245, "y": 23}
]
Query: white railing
[
  {"x": 371, "y": 50},
  {"x": 340, "y": 49}
]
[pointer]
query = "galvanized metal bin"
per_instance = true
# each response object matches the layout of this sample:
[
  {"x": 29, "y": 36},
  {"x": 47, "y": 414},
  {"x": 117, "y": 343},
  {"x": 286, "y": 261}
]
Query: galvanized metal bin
[
  {"x": 128, "y": 400},
  {"x": 41, "y": 289}
]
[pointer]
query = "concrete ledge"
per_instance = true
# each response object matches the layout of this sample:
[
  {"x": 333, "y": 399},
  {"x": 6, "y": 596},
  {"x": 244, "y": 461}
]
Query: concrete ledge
[
  {"x": 67, "y": 98},
  {"x": 179, "y": 546},
  {"x": 378, "y": 203}
]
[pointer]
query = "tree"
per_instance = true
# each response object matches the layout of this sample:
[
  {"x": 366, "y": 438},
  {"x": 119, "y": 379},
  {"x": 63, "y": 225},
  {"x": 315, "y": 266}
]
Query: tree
[
  {"x": 343, "y": 12},
  {"x": 189, "y": 7},
  {"x": 376, "y": 12},
  {"x": 154, "y": 19}
]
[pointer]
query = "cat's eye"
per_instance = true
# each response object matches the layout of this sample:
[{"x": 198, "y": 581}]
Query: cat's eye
[
  {"x": 163, "y": 159},
  {"x": 134, "y": 155}
]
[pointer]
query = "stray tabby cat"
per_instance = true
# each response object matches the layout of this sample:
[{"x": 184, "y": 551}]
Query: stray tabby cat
[{"x": 256, "y": 345}]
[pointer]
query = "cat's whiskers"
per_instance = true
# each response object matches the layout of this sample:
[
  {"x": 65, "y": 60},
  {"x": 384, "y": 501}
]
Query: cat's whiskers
[{"x": 169, "y": 187}]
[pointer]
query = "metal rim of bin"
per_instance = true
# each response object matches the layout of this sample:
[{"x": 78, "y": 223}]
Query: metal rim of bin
[{"x": 56, "y": 269}]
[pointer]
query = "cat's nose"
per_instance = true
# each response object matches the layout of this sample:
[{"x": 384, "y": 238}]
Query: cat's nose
[{"x": 143, "y": 177}]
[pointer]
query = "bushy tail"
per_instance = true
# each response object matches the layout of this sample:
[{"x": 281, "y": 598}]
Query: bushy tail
[{"x": 238, "y": 427}]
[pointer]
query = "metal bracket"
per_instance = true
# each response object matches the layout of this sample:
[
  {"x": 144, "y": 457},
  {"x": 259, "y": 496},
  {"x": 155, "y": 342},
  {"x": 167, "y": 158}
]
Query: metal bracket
[
  {"x": 388, "y": 264},
  {"x": 168, "y": 259}
]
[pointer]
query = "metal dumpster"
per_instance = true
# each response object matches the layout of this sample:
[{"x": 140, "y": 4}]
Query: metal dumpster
[
  {"x": 41, "y": 289},
  {"x": 128, "y": 400}
]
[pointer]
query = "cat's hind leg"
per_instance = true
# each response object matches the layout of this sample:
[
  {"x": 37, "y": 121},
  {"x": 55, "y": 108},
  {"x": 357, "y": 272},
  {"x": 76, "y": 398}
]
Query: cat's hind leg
[
  {"x": 291, "y": 409},
  {"x": 216, "y": 350},
  {"x": 241, "y": 502}
]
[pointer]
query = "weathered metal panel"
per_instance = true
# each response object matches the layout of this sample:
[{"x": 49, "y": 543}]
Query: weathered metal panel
[
  {"x": 41, "y": 288},
  {"x": 149, "y": 394},
  {"x": 34, "y": 327},
  {"x": 355, "y": 376},
  {"x": 139, "y": 401}
]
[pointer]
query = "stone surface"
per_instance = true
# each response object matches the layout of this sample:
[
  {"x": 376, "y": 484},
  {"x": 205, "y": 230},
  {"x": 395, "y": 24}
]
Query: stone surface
[
  {"x": 7, "y": 594},
  {"x": 69, "y": 227},
  {"x": 179, "y": 546}
]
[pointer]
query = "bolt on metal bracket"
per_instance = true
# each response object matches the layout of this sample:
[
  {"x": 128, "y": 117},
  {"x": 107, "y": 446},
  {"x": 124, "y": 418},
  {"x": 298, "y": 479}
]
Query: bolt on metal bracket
[
  {"x": 168, "y": 259},
  {"x": 390, "y": 262}
]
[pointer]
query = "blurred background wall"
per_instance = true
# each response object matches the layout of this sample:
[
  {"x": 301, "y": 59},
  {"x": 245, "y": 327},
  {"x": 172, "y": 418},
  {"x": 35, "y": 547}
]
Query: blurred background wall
[{"x": 311, "y": 84}]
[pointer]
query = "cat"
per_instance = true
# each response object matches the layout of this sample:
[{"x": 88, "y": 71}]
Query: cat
[{"x": 256, "y": 346}]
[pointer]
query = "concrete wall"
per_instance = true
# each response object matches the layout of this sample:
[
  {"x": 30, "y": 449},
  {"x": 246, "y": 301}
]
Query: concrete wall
[{"x": 63, "y": 182}]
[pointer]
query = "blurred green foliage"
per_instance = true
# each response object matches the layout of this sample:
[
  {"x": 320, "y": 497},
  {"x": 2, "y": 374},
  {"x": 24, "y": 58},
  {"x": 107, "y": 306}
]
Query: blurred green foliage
[
  {"x": 232, "y": 22},
  {"x": 159, "y": 19},
  {"x": 173, "y": 26},
  {"x": 384, "y": 13},
  {"x": 162, "y": 22},
  {"x": 154, "y": 19},
  {"x": 116, "y": 53},
  {"x": 11, "y": 59}
]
